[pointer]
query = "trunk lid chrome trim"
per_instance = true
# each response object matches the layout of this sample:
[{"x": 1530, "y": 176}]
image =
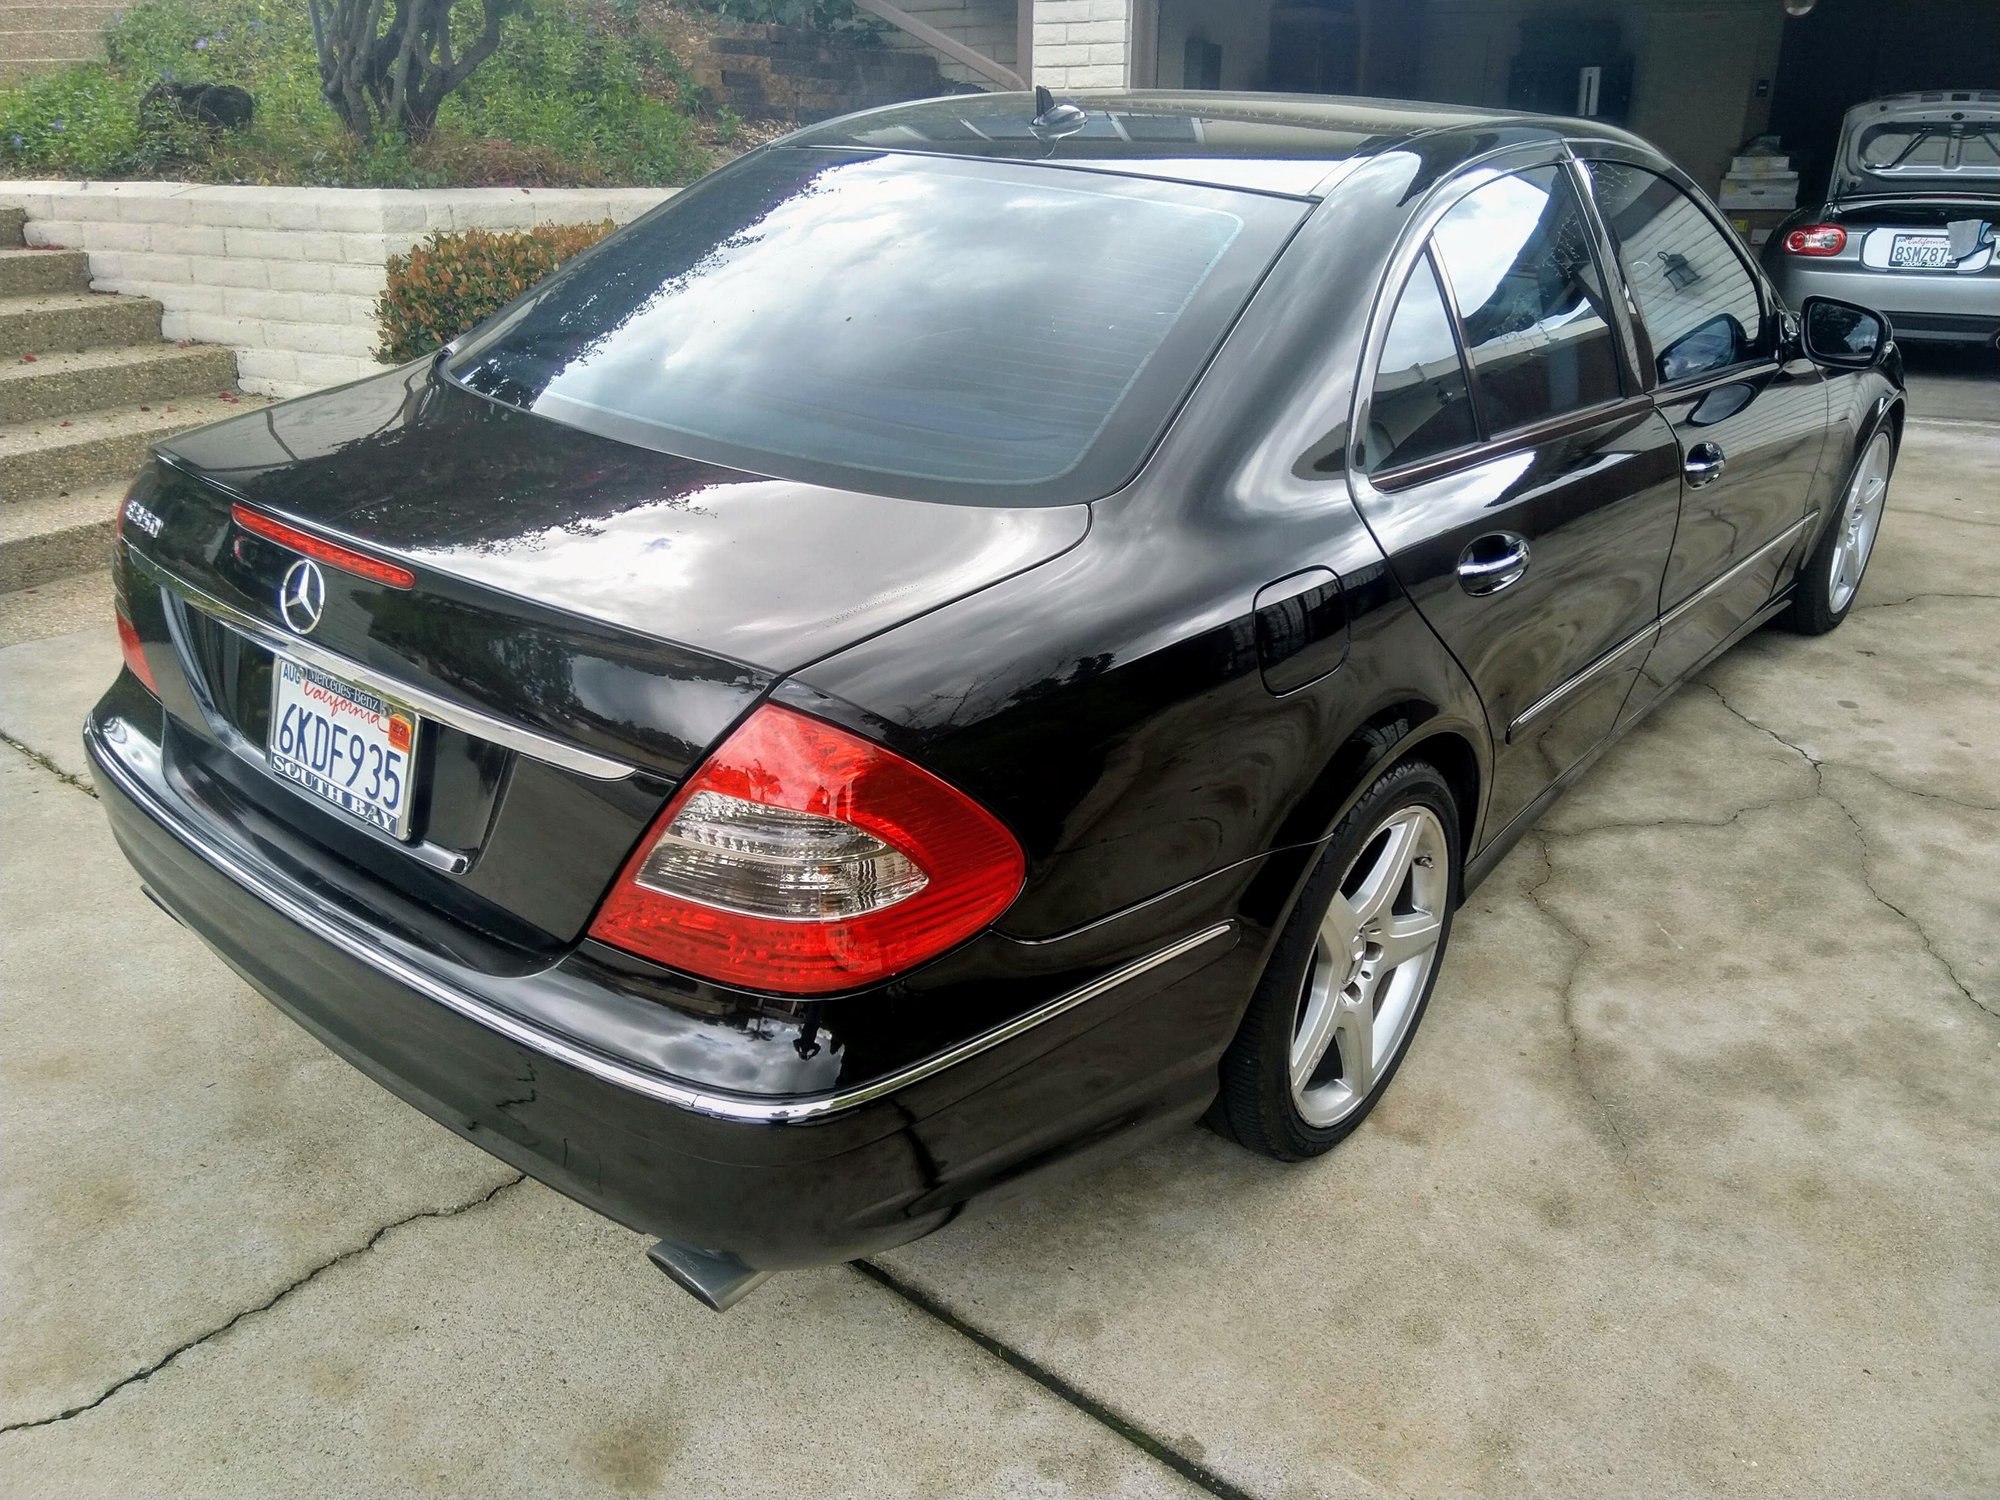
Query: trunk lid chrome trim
[{"x": 473, "y": 721}]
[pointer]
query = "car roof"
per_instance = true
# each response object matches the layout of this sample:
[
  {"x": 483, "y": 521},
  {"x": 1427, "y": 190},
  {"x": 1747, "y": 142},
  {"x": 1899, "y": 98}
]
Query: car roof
[{"x": 1277, "y": 143}]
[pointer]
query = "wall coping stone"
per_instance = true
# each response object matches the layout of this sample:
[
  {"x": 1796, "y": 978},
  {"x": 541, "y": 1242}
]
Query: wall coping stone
[{"x": 287, "y": 276}]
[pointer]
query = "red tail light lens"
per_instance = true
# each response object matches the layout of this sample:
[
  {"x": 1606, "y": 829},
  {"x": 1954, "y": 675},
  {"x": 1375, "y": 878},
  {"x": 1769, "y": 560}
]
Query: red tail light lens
[
  {"x": 134, "y": 653},
  {"x": 1816, "y": 239},
  {"x": 803, "y": 859},
  {"x": 320, "y": 550}
]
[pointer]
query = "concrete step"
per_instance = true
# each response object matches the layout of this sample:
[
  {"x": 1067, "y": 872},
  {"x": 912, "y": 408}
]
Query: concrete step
[
  {"x": 60, "y": 385},
  {"x": 19, "y": 69},
  {"x": 13, "y": 228},
  {"x": 94, "y": 14},
  {"x": 64, "y": 43},
  {"x": 24, "y": 272},
  {"x": 42, "y": 540},
  {"x": 56, "y": 455},
  {"x": 51, "y": 321}
]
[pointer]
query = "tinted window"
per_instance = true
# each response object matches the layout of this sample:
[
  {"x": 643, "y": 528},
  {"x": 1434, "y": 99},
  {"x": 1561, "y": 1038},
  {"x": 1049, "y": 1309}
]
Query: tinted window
[
  {"x": 895, "y": 323},
  {"x": 1420, "y": 406},
  {"x": 1697, "y": 303},
  {"x": 1517, "y": 255}
]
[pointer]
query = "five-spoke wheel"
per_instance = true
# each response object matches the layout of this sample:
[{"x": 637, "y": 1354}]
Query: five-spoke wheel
[
  {"x": 1376, "y": 946},
  {"x": 1349, "y": 976},
  {"x": 1830, "y": 578}
]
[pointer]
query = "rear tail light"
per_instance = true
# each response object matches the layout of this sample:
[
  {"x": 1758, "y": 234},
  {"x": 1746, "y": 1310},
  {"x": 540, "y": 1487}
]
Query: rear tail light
[
  {"x": 134, "y": 653},
  {"x": 803, "y": 859},
  {"x": 1816, "y": 239},
  {"x": 129, "y": 645}
]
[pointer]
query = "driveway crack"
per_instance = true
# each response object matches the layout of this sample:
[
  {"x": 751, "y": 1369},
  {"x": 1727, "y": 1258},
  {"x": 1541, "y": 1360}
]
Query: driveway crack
[
  {"x": 282, "y": 1293},
  {"x": 1148, "y": 1443},
  {"x": 1860, "y": 837},
  {"x": 1580, "y": 949},
  {"x": 67, "y": 778},
  {"x": 1914, "y": 598}
]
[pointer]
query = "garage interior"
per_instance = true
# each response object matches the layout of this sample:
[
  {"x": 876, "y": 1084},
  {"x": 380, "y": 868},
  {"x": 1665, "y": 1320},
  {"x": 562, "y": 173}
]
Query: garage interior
[{"x": 1699, "y": 78}]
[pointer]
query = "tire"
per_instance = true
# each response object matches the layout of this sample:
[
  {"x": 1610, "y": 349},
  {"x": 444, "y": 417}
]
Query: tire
[
  {"x": 1830, "y": 580},
  {"x": 1326, "y": 977}
]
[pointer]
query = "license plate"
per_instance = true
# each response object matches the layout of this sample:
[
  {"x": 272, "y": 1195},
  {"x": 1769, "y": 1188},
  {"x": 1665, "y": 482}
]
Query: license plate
[
  {"x": 1921, "y": 252},
  {"x": 343, "y": 743}
]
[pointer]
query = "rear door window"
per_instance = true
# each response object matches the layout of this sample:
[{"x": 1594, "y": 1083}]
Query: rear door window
[
  {"x": 1698, "y": 305},
  {"x": 901, "y": 324},
  {"x": 1420, "y": 406},
  {"x": 1516, "y": 254}
]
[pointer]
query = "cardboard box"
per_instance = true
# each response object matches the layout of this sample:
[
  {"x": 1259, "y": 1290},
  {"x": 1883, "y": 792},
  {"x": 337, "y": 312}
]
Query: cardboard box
[
  {"x": 1760, "y": 165},
  {"x": 1756, "y": 224},
  {"x": 1744, "y": 195}
]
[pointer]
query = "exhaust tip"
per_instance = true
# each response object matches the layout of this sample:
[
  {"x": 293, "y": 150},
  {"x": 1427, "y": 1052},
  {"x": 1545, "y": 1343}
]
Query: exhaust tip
[{"x": 716, "y": 1279}]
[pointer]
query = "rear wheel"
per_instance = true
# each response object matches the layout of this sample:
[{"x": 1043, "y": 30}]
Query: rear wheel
[
  {"x": 1832, "y": 575},
  {"x": 1351, "y": 974}
]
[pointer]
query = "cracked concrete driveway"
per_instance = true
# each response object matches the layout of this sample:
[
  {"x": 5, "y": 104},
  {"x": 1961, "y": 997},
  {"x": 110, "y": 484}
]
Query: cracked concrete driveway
[{"x": 1691, "y": 1182}]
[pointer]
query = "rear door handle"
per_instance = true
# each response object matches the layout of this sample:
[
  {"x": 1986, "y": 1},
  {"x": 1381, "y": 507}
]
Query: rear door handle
[
  {"x": 1491, "y": 562},
  {"x": 1704, "y": 463}
]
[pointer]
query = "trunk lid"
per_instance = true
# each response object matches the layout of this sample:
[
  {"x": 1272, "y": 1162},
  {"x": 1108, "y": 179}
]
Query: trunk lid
[{"x": 587, "y": 618}]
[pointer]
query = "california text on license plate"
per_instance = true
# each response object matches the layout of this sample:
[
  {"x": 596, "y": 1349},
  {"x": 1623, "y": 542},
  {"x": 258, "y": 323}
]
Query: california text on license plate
[
  {"x": 1920, "y": 250},
  {"x": 341, "y": 742}
]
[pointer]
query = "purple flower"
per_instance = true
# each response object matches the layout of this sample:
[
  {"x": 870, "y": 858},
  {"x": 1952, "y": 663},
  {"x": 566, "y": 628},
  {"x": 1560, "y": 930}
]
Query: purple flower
[
  {"x": 56, "y": 123},
  {"x": 19, "y": 144},
  {"x": 201, "y": 44}
]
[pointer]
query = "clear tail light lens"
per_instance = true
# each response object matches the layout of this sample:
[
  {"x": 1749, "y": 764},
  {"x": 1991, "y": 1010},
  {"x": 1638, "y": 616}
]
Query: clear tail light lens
[
  {"x": 1816, "y": 239},
  {"x": 803, "y": 859}
]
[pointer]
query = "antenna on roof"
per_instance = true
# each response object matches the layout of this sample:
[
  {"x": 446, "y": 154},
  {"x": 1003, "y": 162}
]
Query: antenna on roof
[{"x": 1053, "y": 118}]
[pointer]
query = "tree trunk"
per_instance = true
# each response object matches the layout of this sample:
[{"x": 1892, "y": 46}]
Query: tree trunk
[{"x": 396, "y": 78}]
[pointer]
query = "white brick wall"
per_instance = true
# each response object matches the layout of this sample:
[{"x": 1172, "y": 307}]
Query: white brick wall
[
  {"x": 288, "y": 277},
  {"x": 1082, "y": 44}
]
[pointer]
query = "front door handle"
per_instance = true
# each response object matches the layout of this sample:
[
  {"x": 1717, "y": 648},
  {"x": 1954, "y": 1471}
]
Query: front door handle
[
  {"x": 1490, "y": 562},
  {"x": 1704, "y": 463}
]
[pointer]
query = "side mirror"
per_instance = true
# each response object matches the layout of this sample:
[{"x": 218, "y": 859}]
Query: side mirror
[
  {"x": 1713, "y": 345},
  {"x": 1842, "y": 335}
]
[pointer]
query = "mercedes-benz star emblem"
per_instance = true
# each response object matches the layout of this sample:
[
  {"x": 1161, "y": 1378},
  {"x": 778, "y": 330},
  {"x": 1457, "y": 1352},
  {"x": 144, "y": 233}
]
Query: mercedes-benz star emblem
[{"x": 302, "y": 596}]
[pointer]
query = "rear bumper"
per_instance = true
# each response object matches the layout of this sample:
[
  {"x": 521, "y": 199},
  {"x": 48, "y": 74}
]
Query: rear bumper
[
  {"x": 753, "y": 1181},
  {"x": 1919, "y": 305}
]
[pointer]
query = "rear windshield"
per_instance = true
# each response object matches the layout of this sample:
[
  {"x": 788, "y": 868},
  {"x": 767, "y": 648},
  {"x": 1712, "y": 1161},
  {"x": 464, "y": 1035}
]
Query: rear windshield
[{"x": 904, "y": 324}]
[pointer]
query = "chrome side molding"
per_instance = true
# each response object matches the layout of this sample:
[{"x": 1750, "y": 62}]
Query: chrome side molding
[{"x": 1651, "y": 631}]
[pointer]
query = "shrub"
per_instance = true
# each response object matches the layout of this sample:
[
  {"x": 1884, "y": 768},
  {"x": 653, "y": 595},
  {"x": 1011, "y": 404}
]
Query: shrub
[
  {"x": 820, "y": 15},
  {"x": 452, "y": 282},
  {"x": 564, "y": 101}
]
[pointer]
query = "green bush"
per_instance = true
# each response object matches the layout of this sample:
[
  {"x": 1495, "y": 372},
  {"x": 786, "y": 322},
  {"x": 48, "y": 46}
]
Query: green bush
[
  {"x": 820, "y": 15},
  {"x": 563, "y": 102},
  {"x": 452, "y": 282}
]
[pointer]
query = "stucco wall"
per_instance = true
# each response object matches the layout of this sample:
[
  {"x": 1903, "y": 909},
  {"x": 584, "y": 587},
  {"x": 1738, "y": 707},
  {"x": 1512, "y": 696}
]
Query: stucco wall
[{"x": 287, "y": 277}]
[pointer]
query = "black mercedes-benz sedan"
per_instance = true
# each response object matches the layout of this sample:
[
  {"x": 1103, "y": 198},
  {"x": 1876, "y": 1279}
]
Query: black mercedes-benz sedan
[{"x": 982, "y": 630}]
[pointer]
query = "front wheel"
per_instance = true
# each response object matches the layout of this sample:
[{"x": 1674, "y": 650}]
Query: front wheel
[
  {"x": 1351, "y": 974},
  {"x": 1831, "y": 577}
]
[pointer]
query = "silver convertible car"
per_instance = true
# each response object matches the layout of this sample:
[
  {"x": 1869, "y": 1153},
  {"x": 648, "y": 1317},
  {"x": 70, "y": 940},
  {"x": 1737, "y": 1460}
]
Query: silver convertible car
[{"x": 1909, "y": 220}]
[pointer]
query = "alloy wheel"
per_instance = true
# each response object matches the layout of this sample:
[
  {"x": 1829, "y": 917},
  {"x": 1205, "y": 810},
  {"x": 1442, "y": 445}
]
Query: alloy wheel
[
  {"x": 1370, "y": 962},
  {"x": 1859, "y": 520}
]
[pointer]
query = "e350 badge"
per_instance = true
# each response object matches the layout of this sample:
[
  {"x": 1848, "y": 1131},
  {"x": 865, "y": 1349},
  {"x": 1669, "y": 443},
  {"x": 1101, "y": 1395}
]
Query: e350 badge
[{"x": 143, "y": 518}]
